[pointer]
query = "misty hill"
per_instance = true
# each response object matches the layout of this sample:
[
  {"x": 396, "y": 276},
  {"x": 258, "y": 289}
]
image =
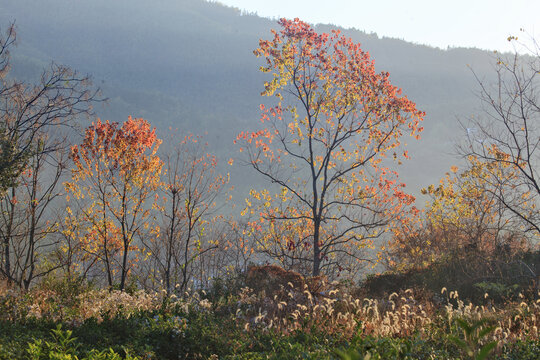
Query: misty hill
[{"x": 188, "y": 64}]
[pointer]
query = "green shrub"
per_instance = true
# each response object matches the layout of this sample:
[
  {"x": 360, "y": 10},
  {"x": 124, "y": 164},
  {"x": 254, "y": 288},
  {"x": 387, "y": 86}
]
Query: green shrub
[
  {"x": 498, "y": 291},
  {"x": 65, "y": 347},
  {"x": 522, "y": 350},
  {"x": 473, "y": 335}
]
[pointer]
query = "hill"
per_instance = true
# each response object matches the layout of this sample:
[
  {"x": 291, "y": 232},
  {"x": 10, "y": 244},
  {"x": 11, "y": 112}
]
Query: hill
[{"x": 188, "y": 64}]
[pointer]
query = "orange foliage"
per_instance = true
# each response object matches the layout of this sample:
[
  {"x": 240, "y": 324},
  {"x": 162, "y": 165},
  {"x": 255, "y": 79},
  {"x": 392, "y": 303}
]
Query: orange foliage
[
  {"x": 116, "y": 173},
  {"x": 323, "y": 145},
  {"x": 464, "y": 214}
]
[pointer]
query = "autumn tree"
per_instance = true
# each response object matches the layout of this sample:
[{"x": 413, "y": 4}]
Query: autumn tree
[
  {"x": 288, "y": 241},
  {"x": 71, "y": 253},
  {"x": 114, "y": 181},
  {"x": 462, "y": 216},
  {"x": 508, "y": 134},
  {"x": 333, "y": 123}
]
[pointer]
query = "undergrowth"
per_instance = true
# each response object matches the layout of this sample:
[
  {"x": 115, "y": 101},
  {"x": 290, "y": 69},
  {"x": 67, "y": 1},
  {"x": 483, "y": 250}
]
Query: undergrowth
[{"x": 239, "y": 322}]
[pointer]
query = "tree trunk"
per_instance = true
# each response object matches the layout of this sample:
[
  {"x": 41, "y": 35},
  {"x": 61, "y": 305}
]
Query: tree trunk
[
  {"x": 170, "y": 244},
  {"x": 316, "y": 248},
  {"x": 124, "y": 265},
  {"x": 7, "y": 239},
  {"x": 105, "y": 249}
]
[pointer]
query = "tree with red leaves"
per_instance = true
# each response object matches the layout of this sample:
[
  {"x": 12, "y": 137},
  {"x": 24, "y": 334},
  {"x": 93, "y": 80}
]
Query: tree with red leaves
[
  {"x": 325, "y": 137},
  {"x": 116, "y": 174}
]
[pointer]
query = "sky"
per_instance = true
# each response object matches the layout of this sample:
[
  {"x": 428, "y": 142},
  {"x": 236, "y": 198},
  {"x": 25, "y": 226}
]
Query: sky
[{"x": 484, "y": 24}]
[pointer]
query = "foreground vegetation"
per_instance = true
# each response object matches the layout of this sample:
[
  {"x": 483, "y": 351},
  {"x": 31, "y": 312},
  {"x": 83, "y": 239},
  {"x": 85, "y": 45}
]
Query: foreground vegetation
[{"x": 267, "y": 313}]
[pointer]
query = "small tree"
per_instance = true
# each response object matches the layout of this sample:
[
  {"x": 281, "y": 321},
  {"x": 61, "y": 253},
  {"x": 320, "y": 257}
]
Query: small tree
[
  {"x": 463, "y": 216},
  {"x": 335, "y": 121},
  {"x": 29, "y": 220},
  {"x": 114, "y": 183},
  {"x": 190, "y": 189}
]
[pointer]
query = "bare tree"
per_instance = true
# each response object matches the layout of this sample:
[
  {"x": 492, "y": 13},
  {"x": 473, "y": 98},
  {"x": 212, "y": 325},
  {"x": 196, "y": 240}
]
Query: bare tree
[
  {"x": 28, "y": 218},
  {"x": 236, "y": 252},
  {"x": 29, "y": 110},
  {"x": 507, "y": 138},
  {"x": 34, "y": 121},
  {"x": 191, "y": 189}
]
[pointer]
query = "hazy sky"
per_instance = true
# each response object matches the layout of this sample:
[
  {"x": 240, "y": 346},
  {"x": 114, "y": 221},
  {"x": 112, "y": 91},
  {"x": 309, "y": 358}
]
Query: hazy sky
[{"x": 484, "y": 24}]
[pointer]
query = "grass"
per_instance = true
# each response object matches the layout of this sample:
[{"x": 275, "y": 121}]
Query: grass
[{"x": 241, "y": 323}]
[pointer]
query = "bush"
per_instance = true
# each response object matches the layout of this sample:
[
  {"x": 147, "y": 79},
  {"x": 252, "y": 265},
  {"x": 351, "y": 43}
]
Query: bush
[{"x": 472, "y": 277}]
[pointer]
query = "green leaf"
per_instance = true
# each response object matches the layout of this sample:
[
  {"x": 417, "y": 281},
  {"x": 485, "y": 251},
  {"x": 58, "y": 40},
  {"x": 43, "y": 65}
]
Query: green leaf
[
  {"x": 463, "y": 324},
  {"x": 462, "y": 344},
  {"x": 486, "y": 350},
  {"x": 485, "y": 331}
]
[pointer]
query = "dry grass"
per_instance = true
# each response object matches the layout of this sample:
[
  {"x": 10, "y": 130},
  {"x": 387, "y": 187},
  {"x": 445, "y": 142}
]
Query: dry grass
[
  {"x": 400, "y": 315},
  {"x": 290, "y": 309}
]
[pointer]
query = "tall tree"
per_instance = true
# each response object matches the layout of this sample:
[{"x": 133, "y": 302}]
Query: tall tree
[
  {"x": 34, "y": 118},
  {"x": 115, "y": 182},
  {"x": 334, "y": 121},
  {"x": 507, "y": 137}
]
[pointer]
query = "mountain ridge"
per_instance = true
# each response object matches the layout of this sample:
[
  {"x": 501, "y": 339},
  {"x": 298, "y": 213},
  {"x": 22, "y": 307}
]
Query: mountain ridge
[{"x": 189, "y": 64}]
